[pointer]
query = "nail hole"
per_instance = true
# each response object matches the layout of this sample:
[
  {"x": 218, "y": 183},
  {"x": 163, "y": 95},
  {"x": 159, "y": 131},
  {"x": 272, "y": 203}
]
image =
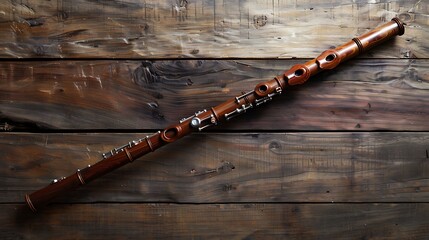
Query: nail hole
[
  {"x": 299, "y": 72},
  {"x": 330, "y": 57}
]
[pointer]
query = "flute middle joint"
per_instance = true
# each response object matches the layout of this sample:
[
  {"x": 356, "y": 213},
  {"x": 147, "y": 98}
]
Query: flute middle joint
[
  {"x": 190, "y": 117},
  {"x": 129, "y": 145},
  {"x": 269, "y": 97},
  {"x": 203, "y": 123},
  {"x": 238, "y": 111},
  {"x": 244, "y": 96},
  {"x": 56, "y": 180}
]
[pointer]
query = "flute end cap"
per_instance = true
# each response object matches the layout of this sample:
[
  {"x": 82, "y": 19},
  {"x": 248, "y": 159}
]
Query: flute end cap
[
  {"x": 400, "y": 26},
  {"x": 29, "y": 203}
]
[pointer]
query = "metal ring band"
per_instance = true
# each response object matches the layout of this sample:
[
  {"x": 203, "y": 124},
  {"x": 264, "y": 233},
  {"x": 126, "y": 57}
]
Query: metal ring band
[
  {"x": 80, "y": 177},
  {"x": 401, "y": 27},
  {"x": 149, "y": 143},
  {"x": 29, "y": 203},
  {"x": 279, "y": 82},
  {"x": 128, "y": 155},
  {"x": 215, "y": 114},
  {"x": 359, "y": 44}
]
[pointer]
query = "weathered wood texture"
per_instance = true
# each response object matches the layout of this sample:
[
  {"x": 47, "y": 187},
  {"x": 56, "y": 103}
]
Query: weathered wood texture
[
  {"x": 362, "y": 95},
  {"x": 206, "y": 168},
  {"x": 249, "y": 180},
  {"x": 219, "y": 221},
  {"x": 202, "y": 28}
]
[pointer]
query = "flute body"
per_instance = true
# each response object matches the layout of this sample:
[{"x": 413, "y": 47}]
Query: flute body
[{"x": 262, "y": 93}]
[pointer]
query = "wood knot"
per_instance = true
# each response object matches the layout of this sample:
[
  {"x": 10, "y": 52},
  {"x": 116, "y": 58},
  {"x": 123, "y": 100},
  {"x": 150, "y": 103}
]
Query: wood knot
[
  {"x": 260, "y": 20},
  {"x": 34, "y": 22},
  {"x": 228, "y": 187},
  {"x": 40, "y": 50},
  {"x": 194, "y": 51},
  {"x": 146, "y": 75},
  {"x": 406, "y": 17},
  {"x": 226, "y": 167},
  {"x": 274, "y": 146},
  {"x": 154, "y": 107}
]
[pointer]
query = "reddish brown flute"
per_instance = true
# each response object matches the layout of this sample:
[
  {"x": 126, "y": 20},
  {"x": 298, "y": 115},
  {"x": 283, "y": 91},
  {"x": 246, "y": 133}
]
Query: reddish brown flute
[{"x": 262, "y": 93}]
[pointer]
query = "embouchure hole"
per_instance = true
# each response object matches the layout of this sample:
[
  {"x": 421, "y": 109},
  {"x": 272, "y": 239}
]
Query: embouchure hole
[
  {"x": 330, "y": 57},
  {"x": 299, "y": 72},
  {"x": 263, "y": 88}
]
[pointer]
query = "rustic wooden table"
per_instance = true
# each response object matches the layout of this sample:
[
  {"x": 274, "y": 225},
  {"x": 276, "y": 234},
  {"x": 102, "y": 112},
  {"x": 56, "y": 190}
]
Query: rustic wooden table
[{"x": 344, "y": 157}]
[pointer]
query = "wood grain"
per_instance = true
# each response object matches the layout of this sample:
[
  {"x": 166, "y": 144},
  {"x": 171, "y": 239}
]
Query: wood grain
[
  {"x": 197, "y": 29},
  {"x": 228, "y": 167},
  {"x": 218, "y": 221},
  {"x": 362, "y": 95},
  {"x": 344, "y": 157}
]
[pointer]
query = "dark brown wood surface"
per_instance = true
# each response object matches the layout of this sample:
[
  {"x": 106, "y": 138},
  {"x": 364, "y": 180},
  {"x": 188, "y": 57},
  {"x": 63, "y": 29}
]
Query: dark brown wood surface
[
  {"x": 220, "y": 221},
  {"x": 154, "y": 94},
  {"x": 226, "y": 167},
  {"x": 344, "y": 157},
  {"x": 186, "y": 28}
]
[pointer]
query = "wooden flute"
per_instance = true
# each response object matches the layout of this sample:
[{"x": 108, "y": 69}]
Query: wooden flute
[{"x": 262, "y": 93}]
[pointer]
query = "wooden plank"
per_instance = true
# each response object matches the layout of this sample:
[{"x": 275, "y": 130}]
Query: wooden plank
[
  {"x": 219, "y": 221},
  {"x": 228, "y": 167},
  {"x": 214, "y": 29},
  {"x": 377, "y": 94}
]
